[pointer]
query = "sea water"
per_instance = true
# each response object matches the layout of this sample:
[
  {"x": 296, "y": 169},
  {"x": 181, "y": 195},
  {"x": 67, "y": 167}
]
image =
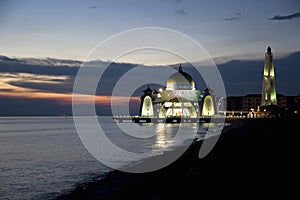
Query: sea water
[{"x": 43, "y": 157}]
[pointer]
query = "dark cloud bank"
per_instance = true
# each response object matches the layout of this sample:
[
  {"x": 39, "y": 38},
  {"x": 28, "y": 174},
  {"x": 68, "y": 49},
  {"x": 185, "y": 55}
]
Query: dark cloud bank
[
  {"x": 286, "y": 17},
  {"x": 240, "y": 78}
]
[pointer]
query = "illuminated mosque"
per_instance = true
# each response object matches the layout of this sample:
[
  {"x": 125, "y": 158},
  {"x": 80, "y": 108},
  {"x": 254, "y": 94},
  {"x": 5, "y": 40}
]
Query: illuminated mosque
[{"x": 180, "y": 98}]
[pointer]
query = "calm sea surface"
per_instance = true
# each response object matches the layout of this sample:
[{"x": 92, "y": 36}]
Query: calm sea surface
[{"x": 43, "y": 157}]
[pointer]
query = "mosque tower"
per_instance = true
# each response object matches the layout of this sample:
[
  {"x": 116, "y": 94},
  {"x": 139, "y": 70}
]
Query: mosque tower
[
  {"x": 208, "y": 103},
  {"x": 268, "y": 93},
  {"x": 146, "y": 109}
]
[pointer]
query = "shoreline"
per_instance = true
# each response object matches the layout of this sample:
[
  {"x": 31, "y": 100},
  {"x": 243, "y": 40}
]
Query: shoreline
[{"x": 244, "y": 154}]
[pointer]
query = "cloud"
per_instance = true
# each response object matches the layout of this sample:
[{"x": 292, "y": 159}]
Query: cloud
[
  {"x": 24, "y": 82},
  {"x": 54, "y": 75},
  {"x": 232, "y": 18},
  {"x": 33, "y": 78},
  {"x": 181, "y": 12},
  {"x": 5, "y": 90},
  {"x": 238, "y": 16},
  {"x": 285, "y": 17},
  {"x": 51, "y": 61}
]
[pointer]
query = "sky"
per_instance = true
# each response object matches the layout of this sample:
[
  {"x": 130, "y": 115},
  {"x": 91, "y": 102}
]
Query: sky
[
  {"x": 71, "y": 29},
  {"x": 42, "y": 44}
]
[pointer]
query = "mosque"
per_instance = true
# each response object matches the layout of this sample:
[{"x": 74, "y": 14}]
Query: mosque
[
  {"x": 179, "y": 99},
  {"x": 182, "y": 102}
]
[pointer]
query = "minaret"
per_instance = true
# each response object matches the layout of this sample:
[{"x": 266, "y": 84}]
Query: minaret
[
  {"x": 208, "y": 104},
  {"x": 268, "y": 93},
  {"x": 146, "y": 108}
]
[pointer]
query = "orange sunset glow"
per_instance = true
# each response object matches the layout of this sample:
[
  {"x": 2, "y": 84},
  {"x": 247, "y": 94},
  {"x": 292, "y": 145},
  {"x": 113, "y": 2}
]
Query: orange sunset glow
[
  {"x": 9, "y": 90},
  {"x": 66, "y": 99}
]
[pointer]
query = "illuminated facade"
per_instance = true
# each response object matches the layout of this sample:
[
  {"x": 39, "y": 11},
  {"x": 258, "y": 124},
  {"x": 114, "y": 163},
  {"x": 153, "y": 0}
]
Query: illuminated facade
[
  {"x": 208, "y": 103},
  {"x": 179, "y": 99},
  {"x": 268, "y": 94},
  {"x": 146, "y": 109}
]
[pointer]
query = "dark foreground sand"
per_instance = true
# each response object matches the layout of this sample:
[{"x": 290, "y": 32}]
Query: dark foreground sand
[{"x": 253, "y": 159}]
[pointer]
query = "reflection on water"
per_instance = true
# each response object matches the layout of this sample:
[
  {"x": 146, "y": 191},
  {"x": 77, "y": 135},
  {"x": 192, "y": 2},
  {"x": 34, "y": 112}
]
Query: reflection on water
[
  {"x": 207, "y": 125},
  {"x": 169, "y": 136},
  {"x": 155, "y": 138},
  {"x": 160, "y": 137}
]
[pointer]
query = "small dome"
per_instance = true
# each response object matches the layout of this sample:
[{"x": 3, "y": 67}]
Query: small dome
[{"x": 180, "y": 81}]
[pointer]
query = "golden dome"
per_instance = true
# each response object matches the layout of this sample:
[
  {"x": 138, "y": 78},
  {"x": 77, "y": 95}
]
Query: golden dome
[{"x": 180, "y": 81}]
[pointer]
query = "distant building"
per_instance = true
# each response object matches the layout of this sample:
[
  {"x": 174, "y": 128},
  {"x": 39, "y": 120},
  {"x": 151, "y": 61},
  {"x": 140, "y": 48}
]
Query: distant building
[
  {"x": 251, "y": 101},
  {"x": 234, "y": 103},
  {"x": 296, "y": 109},
  {"x": 237, "y": 104},
  {"x": 297, "y": 101},
  {"x": 293, "y": 104},
  {"x": 282, "y": 101}
]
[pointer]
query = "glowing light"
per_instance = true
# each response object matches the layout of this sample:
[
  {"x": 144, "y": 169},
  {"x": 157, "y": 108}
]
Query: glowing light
[
  {"x": 147, "y": 109},
  {"x": 168, "y": 104},
  {"x": 268, "y": 88},
  {"x": 208, "y": 106}
]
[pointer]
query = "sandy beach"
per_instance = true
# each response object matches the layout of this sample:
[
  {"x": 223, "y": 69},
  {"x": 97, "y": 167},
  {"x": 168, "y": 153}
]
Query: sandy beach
[{"x": 252, "y": 159}]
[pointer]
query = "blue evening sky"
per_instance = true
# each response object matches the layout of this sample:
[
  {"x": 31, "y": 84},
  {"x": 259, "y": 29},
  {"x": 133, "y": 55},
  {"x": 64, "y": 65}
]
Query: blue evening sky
[{"x": 71, "y": 29}]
